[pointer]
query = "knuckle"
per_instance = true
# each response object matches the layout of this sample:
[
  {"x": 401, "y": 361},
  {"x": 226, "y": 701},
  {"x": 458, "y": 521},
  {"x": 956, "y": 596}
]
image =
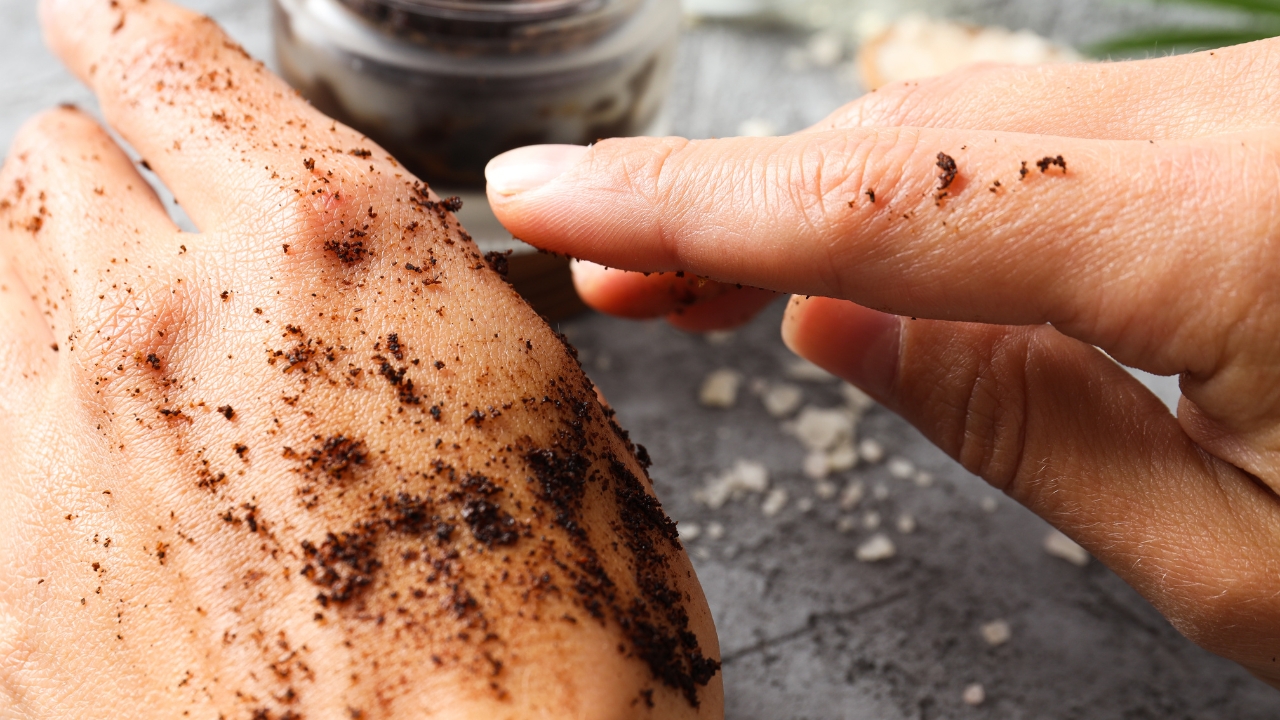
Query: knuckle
[{"x": 987, "y": 432}]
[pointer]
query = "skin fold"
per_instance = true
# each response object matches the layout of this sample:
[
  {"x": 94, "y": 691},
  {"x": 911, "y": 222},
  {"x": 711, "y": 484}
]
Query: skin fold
[
  {"x": 977, "y": 251},
  {"x": 317, "y": 460}
]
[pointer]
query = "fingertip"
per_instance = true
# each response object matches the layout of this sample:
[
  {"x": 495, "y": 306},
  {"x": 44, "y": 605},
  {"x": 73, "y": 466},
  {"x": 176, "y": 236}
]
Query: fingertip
[{"x": 856, "y": 343}]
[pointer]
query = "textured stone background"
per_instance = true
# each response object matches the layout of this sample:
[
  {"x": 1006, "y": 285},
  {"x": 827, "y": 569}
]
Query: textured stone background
[{"x": 807, "y": 631}]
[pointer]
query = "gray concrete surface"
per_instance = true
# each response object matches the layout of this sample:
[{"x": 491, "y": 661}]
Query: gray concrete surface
[{"x": 809, "y": 633}]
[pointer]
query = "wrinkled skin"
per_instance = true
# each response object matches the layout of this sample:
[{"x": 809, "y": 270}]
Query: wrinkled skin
[
  {"x": 1118, "y": 208},
  {"x": 315, "y": 461}
]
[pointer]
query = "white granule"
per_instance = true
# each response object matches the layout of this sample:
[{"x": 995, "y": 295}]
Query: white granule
[
  {"x": 774, "y": 502},
  {"x": 715, "y": 530},
  {"x": 720, "y": 388},
  {"x": 996, "y": 632},
  {"x": 689, "y": 531},
  {"x": 906, "y": 524},
  {"x": 744, "y": 477},
  {"x": 825, "y": 490},
  {"x": 1061, "y": 546},
  {"x": 822, "y": 428},
  {"x": 856, "y": 400},
  {"x": 702, "y": 553},
  {"x": 719, "y": 337},
  {"x": 871, "y": 451},
  {"x": 783, "y": 399},
  {"x": 989, "y": 504},
  {"x": 852, "y": 495},
  {"x": 901, "y": 468},
  {"x": 846, "y": 524},
  {"x": 804, "y": 505},
  {"x": 842, "y": 457},
  {"x": 974, "y": 695},
  {"x": 923, "y": 479},
  {"x": 802, "y": 370},
  {"x": 878, "y": 547},
  {"x": 871, "y": 520},
  {"x": 816, "y": 465},
  {"x": 880, "y": 491}
]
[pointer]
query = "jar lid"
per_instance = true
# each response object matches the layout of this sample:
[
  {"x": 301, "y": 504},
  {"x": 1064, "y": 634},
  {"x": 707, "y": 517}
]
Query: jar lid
[{"x": 506, "y": 26}]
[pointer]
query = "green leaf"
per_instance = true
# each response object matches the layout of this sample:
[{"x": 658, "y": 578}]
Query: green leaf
[
  {"x": 1184, "y": 39},
  {"x": 1266, "y": 7}
]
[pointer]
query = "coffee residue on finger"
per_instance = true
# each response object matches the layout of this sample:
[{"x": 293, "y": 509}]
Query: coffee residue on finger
[{"x": 947, "y": 165}]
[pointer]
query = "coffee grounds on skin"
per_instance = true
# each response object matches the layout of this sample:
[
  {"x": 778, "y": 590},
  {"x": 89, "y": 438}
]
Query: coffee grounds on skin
[{"x": 947, "y": 165}]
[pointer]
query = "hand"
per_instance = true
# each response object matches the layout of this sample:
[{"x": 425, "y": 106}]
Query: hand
[
  {"x": 1009, "y": 226},
  {"x": 316, "y": 460}
]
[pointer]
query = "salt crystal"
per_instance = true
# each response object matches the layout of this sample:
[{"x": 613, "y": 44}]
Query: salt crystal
[
  {"x": 825, "y": 490},
  {"x": 816, "y": 465},
  {"x": 846, "y": 524},
  {"x": 974, "y": 695},
  {"x": 842, "y": 457},
  {"x": 880, "y": 492},
  {"x": 901, "y": 468},
  {"x": 783, "y": 399},
  {"x": 689, "y": 531},
  {"x": 878, "y": 547},
  {"x": 822, "y": 428},
  {"x": 720, "y": 388},
  {"x": 774, "y": 502},
  {"x": 923, "y": 479},
  {"x": 1061, "y": 546},
  {"x": 744, "y": 477},
  {"x": 871, "y": 520},
  {"x": 906, "y": 524},
  {"x": 852, "y": 495},
  {"x": 996, "y": 632},
  {"x": 856, "y": 400},
  {"x": 989, "y": 504},
  {"x": 804, "y": 505},
  {"x": 871, "y": 451},
  {"x": 719, "y": 337},
  {"x": 825, "y": 49},
  {"x": 715, "y": 530},
  {"x": 802, "y": 370}
]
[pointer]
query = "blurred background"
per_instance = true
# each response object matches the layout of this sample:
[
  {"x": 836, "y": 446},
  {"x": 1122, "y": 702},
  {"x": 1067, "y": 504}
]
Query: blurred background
[{"x": 855, "y": 572}]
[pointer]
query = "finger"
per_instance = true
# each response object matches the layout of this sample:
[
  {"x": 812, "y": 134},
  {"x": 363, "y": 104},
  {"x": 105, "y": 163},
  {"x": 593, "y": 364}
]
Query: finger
[
  {"x": 694, "y": 304},
  {"x": 27, "y": 350},
  {"x": 869, "y": 215},
  {"x": 1068, "y": 433},
  {"x": 78, "y": 221},
  {"x": 1169, "y": 98},
  {"x": 232, "y": 141}
]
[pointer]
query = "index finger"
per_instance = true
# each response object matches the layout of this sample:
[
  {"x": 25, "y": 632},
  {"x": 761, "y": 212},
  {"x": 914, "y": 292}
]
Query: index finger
[
  {"x": 230, "y": 139},
  {"x": 1007, "y": 228}
]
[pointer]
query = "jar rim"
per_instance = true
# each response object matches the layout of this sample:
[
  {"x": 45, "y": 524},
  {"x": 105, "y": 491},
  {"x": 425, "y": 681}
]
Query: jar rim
[{"x": 497, "y": 11}]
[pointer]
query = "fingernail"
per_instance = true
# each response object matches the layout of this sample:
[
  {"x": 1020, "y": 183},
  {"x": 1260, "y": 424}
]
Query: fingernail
[
  {"x": 586, "y": 274},
  {"x": 529, "y": 168},
  {"x": 856, "y": 343}
]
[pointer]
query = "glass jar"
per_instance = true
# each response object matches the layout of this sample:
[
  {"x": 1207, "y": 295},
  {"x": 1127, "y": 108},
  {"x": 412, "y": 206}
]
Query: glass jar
[{"x": 445, "y": 85}]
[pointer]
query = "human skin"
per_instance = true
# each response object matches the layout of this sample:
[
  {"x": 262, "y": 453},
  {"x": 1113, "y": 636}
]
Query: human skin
[
  {"x": 997, "y": 292},
  {"x": 314, "y": 461}
]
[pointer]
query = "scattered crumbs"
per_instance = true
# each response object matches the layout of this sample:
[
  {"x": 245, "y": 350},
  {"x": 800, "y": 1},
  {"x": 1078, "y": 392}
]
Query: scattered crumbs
[
  {"x": 974, "y": 695},
  {"x": 947, "y": 165},
  {"x": 1047, "y": 162},
  {"x": 871, "y": 520},
  {"x": 870, "y": 451},
  {"x": 922, "y": 479},
  {"x": 880, "y": 491},
  {"x": 996, "y": 632},
  {"x": 852, "y": 495},
  {"x": 989, "y": 504},
  {"x": 720, "y": 388},
  {"x": 774, "y": 502},
  {"x": 804, "y": 505},
  {"x": 719, "y": 337},
  {"x": 846, "y": 524},
  {"x": 906, "y": 524},
  {"x": 1063, "y": 547},
  {"x": 877, "y": 548},
  {"x": 900, "y": 468},
  {"x": 781, "y": 400},
  {"x": 744, "y": 477},
  {"x": 825, "y": 490}
]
